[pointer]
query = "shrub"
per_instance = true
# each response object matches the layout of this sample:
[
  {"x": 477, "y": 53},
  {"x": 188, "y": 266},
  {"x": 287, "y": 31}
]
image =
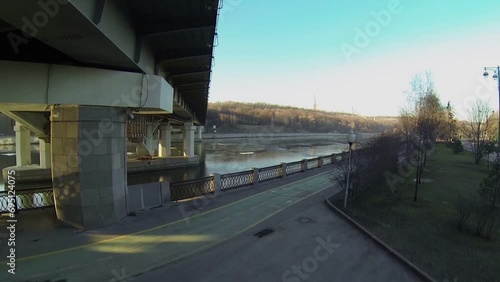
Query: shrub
[
  {"x": 491, "y": 225},
  {"x": 481, "y": 211},
  {"x": 464, "y": 210},
  {"x": 369, "y": 163},
  {"x": 457, "y": 147}
]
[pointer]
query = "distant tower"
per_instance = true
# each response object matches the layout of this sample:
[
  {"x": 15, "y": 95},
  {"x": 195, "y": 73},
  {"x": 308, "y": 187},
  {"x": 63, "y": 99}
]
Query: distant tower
[{"x": 315, "y": 104}]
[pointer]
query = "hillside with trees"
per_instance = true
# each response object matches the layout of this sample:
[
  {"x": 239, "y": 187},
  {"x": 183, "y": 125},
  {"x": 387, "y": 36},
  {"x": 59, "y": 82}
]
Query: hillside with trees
[{"x": 261, "y": 117}]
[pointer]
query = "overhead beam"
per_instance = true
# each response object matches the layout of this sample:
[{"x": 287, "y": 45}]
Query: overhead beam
[
  {"x": 192, "y": 83},
  {"x": 34, "y": 121},
  {"x": 189, "y": 73},
  {"x": 173, "y": 31},
  {"x": 189, "y": 92},
  {"x": 71, "y": 85},
  {"x": 179, "y": 100},
  {"x": 184, "y": 53},
  {"x": 194, "y": 71},
  {"x": 186, "y": 58}
]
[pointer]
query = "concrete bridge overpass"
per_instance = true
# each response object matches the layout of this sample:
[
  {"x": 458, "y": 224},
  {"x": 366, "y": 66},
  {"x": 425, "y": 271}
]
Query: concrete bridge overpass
[{"x": 86, "y": 75}]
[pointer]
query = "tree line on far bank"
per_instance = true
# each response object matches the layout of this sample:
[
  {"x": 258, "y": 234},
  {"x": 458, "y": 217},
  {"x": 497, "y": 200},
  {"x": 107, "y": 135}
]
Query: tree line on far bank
[{"x": 234, "y": 114}]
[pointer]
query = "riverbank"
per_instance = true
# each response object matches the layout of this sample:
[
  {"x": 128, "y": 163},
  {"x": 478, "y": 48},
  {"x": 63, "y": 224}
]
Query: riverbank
[
  {"x": 425, "y": 231},
  {"x": 229, "y": 155},
  {"x": 270, "y": 135}
]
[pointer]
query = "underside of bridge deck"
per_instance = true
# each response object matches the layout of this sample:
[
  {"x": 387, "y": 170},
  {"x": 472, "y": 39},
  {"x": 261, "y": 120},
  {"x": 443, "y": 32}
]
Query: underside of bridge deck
[
  {"x": 77, "y": 73},
  {"x": 173, "y": 39}
]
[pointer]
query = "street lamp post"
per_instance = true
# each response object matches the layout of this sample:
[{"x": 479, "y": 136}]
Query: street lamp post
[
  {"x": 496, "y": 73},
  {"x": 351, "y": 137}
]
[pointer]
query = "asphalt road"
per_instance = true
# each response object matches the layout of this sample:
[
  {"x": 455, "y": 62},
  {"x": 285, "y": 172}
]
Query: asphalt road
[{"x": 307, "y": 242}]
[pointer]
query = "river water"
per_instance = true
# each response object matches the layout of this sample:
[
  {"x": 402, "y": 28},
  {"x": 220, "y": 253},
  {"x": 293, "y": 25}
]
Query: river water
[{"x": 225, "y": 156}]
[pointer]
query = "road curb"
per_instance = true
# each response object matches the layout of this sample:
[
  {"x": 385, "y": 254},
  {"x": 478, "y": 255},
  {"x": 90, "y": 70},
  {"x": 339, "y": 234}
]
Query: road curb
[{"x": 393, "y": 252}]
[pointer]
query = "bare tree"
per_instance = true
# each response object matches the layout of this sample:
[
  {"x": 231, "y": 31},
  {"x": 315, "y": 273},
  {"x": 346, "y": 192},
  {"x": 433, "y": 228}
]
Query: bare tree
[
  {"x": 421, "y": 121},
  {"x": 368, "y": 164},
  {"x": 478, "y": 127},
  {"x": 433, "y": 116},
  {"x": 406, "y": 126}
]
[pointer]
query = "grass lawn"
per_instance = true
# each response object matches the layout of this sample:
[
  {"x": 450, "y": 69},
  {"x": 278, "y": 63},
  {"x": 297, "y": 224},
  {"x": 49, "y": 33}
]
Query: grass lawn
[{"x": 425, "y": 232}]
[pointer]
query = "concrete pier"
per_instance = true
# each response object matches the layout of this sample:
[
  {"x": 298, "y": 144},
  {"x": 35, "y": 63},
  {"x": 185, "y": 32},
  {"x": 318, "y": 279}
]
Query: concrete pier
[
  {"x": 45, "y": 155},
  {"x": 23, "y": 149},
  {"x": 89, "y": 165},
  {"x": 188, "y": 139},
  {"x": 165, "y": 140}
]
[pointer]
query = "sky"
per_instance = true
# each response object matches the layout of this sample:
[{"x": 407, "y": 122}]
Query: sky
[{"x": 355, "y": 54}]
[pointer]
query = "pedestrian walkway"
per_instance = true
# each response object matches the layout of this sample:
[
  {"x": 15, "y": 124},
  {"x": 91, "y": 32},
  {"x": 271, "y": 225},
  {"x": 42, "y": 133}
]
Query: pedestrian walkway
[
  {"x": 165, "y": 243},
  {"x": 308, "y": 243}
]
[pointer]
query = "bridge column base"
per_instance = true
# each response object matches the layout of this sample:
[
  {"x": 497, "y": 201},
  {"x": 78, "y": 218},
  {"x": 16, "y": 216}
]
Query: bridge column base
[
  {"x": 188, "y": 139},
  {"x": 151, "y": 143},
  {"x": 164, "y": 147},
  {"x": 89, "y": 165},
  {"x": 44, "y": 154},
  {"x": 23, "y": 146},
  {"x": 199, "y": 133}
]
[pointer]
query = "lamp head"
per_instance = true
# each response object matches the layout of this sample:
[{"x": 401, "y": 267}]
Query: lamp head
[
  {"x": 495, "y": 76},
  {"x": 351, "y": 137},
  {"x": 486, "y": 74}
]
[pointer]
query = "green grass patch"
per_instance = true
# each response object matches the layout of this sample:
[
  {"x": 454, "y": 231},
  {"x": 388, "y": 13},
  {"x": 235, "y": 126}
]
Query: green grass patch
[{"x": 425, "y": 232}]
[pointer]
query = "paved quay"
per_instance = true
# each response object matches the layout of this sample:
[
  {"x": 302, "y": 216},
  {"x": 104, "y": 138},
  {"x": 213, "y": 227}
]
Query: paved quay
[{"x": 213, "y": 240}]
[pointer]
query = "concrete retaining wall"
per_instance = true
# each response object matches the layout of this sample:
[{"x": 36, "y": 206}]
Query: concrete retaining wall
[
  {"x": 147, "y": 196},
  {"x": 159, "y": 164},
  {"x": 32, "y": 173}
]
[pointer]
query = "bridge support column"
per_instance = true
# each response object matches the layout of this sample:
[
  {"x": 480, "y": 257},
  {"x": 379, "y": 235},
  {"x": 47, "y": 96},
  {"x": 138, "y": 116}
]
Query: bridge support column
[
  {"x": 44, "y": 154},
  {"x": 89, "y": 165},
  {"x": 188, "y": 139},
  {"x": 199, "y": 131},
  {"x": 165, "y": 140},
  {"x": 23, "y": 143},
  {"x": 149, "y": 139}
]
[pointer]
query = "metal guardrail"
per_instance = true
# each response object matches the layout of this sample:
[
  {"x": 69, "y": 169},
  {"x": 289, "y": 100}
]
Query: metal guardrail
[
  {"x": 293, "y": 167},
  {"x": 270, "y": 172},
  {"x": 313, "y": 163},
  {"x": 44, "y": 197},
  {"x": 192, "y": 188},
  {"x": 328, "y": 159},
  {"x": 28, "y": 199},
  {"x": 236, "y": 180}
]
